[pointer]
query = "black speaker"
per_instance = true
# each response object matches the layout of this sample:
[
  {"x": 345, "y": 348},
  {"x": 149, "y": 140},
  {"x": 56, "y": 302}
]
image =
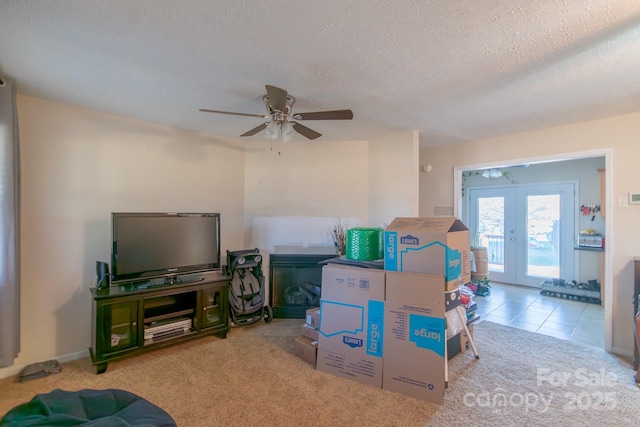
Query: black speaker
[{"x": 102, "y": 273}]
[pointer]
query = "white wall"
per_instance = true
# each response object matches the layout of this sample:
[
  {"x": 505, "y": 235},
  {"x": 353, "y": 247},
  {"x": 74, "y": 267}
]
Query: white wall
[
  {"x": 370, "y": 182},
  {"x": 617, "y": 135},
  {"x": 77, "y": 167},
  {"x": 393, "y": 177},
  {"x": 306, "y": 179}
]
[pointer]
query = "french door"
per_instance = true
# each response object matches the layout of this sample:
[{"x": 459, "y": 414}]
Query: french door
[{"x": 528, "y": 231}]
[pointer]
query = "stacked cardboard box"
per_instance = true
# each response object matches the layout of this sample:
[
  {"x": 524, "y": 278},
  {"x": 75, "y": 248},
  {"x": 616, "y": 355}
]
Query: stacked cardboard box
[
  {"x": 309, "y": 332},
  {"x": 351, "y": 340},
  {"x": 306, "y": 345},
  {"x": 438, "y": 245},
  {"x": 415, "y": 336},
  {"x": 417, "y": 247},
  {"x": 388, "y": 328},
  {"x": 312, "y": 317},
  {"x": 306, "y": 349}
]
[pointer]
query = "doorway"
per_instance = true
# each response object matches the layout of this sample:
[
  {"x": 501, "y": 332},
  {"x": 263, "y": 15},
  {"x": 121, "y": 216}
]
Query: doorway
[
  {"x": 576, "y": 166},
  {"x": 527, "y": 229}
]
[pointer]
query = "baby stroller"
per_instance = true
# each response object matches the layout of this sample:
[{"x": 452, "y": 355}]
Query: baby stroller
[{"x": 246, "y": 292}]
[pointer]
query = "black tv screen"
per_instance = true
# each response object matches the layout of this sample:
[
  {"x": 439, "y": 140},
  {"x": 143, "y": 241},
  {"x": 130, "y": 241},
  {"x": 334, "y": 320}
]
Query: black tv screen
[{"x": 149, "y": 245}]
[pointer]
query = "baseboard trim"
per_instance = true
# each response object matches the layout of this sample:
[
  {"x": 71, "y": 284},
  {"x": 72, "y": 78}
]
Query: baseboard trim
[{"x": 622, "y": 351}]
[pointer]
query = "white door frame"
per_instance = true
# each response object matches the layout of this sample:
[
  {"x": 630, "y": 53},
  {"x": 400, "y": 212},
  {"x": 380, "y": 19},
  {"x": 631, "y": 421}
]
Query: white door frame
[{"x": 607, "y": 153}]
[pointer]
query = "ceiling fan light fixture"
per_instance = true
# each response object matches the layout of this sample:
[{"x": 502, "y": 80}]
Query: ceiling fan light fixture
[
  {"x": 279, "y": 105},
  {"x": 287, "y": 131},
  {"x": 272, "y": 132},
  {"x": 492, "y": 173}
]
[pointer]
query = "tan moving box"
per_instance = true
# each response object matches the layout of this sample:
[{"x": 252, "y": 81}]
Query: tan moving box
[
  {"x": 313, "y": 317},
  {"x": 350, "y": 343},
  {"x": 306, "y": 349},
  {"x": 309, "y": 332},
  {"x": 437, "y": 245},
  {"x": 415, "y": 336}
]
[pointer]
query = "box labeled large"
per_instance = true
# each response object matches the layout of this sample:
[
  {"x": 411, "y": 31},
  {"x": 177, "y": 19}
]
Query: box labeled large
[
  {"x": 351, "y": 333},
  {"x": 437, "y": 245},
  {"x": 415, "y": 336}
]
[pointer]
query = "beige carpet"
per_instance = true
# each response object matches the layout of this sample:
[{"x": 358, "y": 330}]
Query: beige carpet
[{"x": 253, "y": 378}]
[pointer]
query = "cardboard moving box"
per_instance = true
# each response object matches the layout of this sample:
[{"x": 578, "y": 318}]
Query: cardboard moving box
[
  {"x": 351, "y": 338},
  {"x": 438, "y": 245},
  {"x": 309, "y": 332},
  {"x": 306, "y": 349},
  {"x": 415, "y": 336},
  {"x": 313, "y": 317}
]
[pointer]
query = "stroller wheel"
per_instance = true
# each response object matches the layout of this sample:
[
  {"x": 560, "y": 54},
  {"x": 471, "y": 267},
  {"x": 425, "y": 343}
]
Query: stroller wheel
[{"x": 268, "y": 314}]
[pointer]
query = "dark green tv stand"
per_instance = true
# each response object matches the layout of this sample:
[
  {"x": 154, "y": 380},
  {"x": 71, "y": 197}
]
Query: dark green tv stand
[{"x": 133, "y": 318}]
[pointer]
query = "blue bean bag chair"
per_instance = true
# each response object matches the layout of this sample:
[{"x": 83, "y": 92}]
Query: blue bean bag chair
[{"x": 94, "y": 408}]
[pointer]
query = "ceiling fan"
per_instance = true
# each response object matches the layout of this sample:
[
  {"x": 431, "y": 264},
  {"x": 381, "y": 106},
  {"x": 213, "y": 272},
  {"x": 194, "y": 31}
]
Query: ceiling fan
[{"x": 279, "y": 110}]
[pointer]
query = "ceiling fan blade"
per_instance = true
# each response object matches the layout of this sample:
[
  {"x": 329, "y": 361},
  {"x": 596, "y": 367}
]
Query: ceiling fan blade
[
  {"x": 305, "y": 131},
  {"x": 255, "y": 129},
  {"x": 277, "y": 98},
  {"x": 262, "y": 116},
  {"x": 325, "y": 115}
]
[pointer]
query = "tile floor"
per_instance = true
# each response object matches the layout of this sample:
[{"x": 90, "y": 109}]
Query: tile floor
[{"x": 523, "y": 307}]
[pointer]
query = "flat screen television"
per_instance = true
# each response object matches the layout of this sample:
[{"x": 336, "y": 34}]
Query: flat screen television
[{"x": 153, "y": 245}]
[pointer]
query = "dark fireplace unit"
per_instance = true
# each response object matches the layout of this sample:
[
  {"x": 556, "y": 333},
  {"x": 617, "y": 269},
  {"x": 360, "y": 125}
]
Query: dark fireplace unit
[{"x": 294, "y": 283}]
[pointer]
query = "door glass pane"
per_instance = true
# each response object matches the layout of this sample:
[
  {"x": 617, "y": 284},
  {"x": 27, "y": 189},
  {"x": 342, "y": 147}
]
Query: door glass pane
[
  {"x": 213, "y": 306},
  {"x": 491, "y": 230},
  {"x": 543, "y": 233},
  {"x": 121, "y": 331}
]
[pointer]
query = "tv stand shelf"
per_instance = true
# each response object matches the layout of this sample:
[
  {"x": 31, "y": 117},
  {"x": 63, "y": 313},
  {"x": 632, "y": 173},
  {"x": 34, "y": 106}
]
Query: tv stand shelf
[
  {"x": 174, "y": 314},
  {"x": 123, "y": 314}
]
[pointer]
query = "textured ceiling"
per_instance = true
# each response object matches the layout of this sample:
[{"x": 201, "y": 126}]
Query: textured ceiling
[{"x": 453, "y": 70}]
